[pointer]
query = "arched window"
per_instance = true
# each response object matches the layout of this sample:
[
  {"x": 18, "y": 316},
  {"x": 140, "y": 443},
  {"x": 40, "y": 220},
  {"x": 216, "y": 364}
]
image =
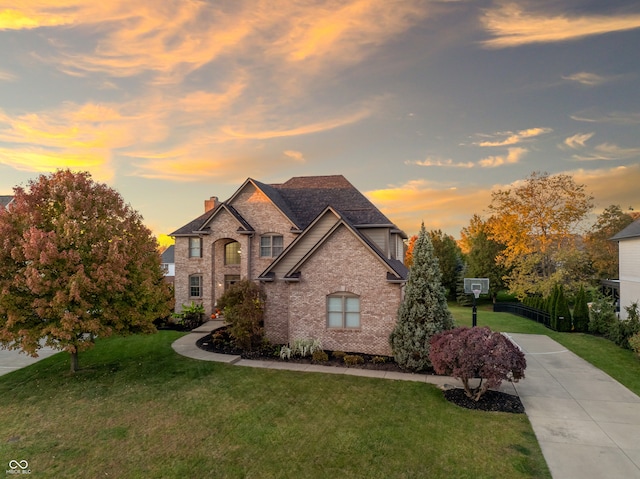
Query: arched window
[
  {"x": 343, "y": 311},
  {"x": 232, "y": 253}
]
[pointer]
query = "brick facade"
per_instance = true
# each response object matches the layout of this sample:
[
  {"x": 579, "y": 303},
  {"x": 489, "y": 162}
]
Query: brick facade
[{"x": 330, "y": 260}]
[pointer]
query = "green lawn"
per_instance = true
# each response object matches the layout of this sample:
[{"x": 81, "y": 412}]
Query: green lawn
[
  {"x": 138, "y": 410},
  {"x": 621, "y": 364}
]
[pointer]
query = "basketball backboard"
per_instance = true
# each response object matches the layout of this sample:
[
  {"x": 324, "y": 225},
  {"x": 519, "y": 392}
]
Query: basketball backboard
[{"x": 476, "y": 286}]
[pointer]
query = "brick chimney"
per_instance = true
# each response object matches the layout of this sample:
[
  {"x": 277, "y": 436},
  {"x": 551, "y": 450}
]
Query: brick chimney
[{"x": 211, "y": 203}]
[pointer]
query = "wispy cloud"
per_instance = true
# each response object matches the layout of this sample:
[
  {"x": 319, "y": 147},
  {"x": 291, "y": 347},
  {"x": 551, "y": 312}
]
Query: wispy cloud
[
  {"x": 588, "y": 79},
  {"x": 506, "y": 138},
  {"x": 294, "y": 155},
  {"x": 608, "y": 152},
  {"x": 615, "y": 117},
  {"x": 7, "y": 76},
  {"x": 578, "y": 140},
  {"x": 511, "y": 26},
  {"x": 438, "y": 162},
  {"x": 513, "y": 156}
]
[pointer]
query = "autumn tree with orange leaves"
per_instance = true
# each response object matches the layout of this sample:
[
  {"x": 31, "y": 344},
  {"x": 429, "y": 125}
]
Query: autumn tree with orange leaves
[
  {"x": 537, "y": 222},
  {"x": 76, "y": 263}
]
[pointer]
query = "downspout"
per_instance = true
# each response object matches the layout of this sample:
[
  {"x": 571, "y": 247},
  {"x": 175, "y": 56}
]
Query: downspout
[{"x": 249, "y": 256}]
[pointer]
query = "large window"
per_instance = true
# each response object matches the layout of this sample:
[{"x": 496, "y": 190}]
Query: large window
[
  {"x": 232, "y": 253},
  {"x": 195, "y": 247},
  {"x": 343, "y": 311},
  {"x": 271, "y": 246},
  {"x": 195, "y": 286}
]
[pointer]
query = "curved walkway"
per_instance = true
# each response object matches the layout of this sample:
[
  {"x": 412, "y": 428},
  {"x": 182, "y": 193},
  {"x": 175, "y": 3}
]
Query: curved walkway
[{"x": 587, "y": 423}]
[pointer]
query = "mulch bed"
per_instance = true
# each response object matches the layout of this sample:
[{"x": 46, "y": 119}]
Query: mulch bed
[{"x": 490, "y": 400}]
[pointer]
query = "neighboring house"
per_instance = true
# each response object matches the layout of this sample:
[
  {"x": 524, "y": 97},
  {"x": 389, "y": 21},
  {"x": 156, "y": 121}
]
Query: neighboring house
[
  {"x": 169, "y": 264},
  {"x": 629, "y": 265},
  {"x": 330, "y": 262},
  {"x": 5, "y": 201}
]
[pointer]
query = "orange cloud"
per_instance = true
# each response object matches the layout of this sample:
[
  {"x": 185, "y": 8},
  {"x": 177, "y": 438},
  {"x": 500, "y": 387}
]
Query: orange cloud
[
  {"x": 511, "y": 26},
  {"x": 513, "y": 156},
  {"x": 450, "y": 208},
  {"x": 511, "y": 138}
]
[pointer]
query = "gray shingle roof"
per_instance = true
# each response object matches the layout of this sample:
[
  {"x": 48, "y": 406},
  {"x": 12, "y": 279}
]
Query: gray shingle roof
[
  {"x": 303, "y": 198},
  {"x": 5, "y": 200},
  {"x": 308, "y": 196},
  {"x": 631, "y": 231},
  {"x": 168, "y": 255}
]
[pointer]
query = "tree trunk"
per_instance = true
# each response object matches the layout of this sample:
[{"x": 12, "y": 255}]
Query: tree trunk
[{"x": 74, "y": 361}]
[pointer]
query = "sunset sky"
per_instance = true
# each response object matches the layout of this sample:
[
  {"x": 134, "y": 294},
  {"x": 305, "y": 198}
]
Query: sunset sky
[{"x": 425, "y": 106}]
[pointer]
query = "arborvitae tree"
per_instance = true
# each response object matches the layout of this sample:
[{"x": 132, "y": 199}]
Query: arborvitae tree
[
  {"x": 561, "y": 310},
  {"x": 581, "y": 312},
  {"x": 551, "y": 307},
  {"x": 424, "y": 311}
]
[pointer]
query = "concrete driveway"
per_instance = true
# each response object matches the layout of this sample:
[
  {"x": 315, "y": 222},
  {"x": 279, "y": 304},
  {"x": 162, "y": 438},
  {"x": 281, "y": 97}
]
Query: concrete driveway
[{"x": 12, "y": 360}]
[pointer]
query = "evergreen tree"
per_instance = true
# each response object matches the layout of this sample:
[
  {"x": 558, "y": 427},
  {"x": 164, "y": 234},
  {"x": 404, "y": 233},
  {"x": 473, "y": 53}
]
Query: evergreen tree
[
  {"x": 562, "y": 313},
  {"x": 551, "y": 307},
  {"x": 581, "y": 312},
  {"x": 424, "y": 311}
]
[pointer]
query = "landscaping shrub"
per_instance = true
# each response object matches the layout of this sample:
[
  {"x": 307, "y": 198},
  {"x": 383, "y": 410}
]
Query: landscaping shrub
[
  {"x": 338, "y": 354},
  {"x": 468, "y": 353},
  {"x": 581, "y": 312},
  {"x": 305, "y": 347},
  {"x": 601, "y": 315},
  {"x": 320, "y": 356},
  {"x": 353, "y": 359},
  {"x": 621, "y": 331},
  {"x": 634, "y": 342},
  {"x": 243, "y": 306},
  {"x": 378, "y": 360}
]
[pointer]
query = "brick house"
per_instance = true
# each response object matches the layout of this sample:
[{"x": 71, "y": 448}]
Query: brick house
[{"x": 330, "y": 262}]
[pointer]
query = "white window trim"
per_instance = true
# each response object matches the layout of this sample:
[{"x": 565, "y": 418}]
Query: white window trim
[
  {"x": 200, "y": 285},
  {"x": 191, "y": 249}
]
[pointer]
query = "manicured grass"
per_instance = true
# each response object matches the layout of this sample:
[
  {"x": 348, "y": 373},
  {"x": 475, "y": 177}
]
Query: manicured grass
[
  {"x": 138, "y": 410},
  {"x": 621, "y": 364}
]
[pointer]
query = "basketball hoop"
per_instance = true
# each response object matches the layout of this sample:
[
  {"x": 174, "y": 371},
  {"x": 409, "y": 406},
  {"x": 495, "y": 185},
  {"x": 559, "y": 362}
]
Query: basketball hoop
[{"x": 477, "y": 286}]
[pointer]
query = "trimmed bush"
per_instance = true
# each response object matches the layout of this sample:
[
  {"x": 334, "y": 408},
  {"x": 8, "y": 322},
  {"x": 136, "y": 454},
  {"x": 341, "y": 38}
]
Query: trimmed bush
[
  {"x": 243, "y": 306},
  {"x": 468, "y": 353},
  {"x": 338, "y": 354},
  {"x": 353, "y": 359},
  {"x": 378, "y": 360},
  {"x": 319, "y": 356}
]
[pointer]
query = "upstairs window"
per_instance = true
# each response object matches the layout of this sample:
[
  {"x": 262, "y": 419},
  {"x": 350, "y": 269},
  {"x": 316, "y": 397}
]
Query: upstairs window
[
  {"x": 343, "y": 311},
  {"x": 232, "y": 253},
  {"x": 271, "y": 246},
  {"x": 195, "y": 247}
]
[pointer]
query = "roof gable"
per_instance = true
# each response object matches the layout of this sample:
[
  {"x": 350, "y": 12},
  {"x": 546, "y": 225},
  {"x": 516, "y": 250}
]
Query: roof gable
[{"x": 396, "y": 271}]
